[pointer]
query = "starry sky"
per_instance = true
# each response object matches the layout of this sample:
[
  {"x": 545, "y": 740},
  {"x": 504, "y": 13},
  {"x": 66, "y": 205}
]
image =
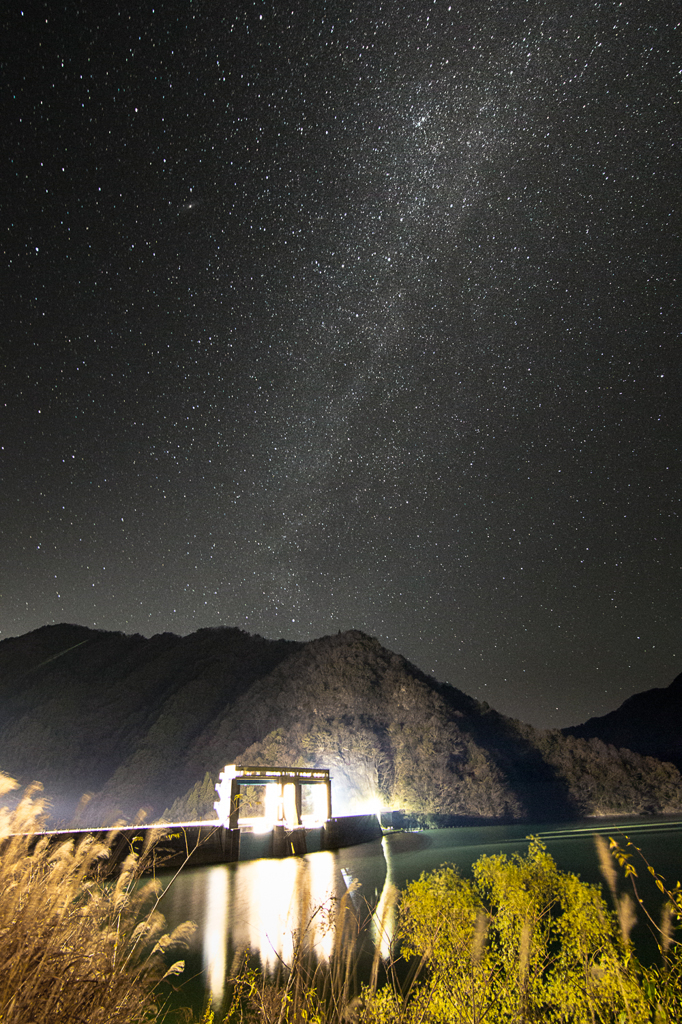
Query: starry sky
[{"x": 336, "y": 315}]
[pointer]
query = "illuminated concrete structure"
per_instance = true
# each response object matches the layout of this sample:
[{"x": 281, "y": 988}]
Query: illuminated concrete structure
[
  {"x": 282, "y": 800},
  {"x": 295, "y": 819}
]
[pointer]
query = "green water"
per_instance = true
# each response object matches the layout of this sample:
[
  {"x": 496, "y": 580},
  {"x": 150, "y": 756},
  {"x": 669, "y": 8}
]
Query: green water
[{"x": 259, "y": 904}]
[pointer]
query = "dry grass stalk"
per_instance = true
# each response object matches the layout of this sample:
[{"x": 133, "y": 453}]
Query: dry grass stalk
[
  {"x": 72, "y": 946},
  {"x": 607, "y": 865}
]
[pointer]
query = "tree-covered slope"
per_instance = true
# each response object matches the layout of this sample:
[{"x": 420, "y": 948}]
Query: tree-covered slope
[{"x": 141, "y": 722}]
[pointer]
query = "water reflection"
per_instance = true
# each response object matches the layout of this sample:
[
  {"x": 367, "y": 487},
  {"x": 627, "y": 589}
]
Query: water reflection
[
  {"x": 280, "y": 900},
  {"x": 384, "y": 919},
  {"x": 261, "y": 906},
  {"x": 215, "y": 932}
]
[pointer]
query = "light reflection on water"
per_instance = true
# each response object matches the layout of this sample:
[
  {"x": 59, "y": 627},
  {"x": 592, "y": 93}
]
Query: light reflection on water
[
  {"x": 261, "y": 906},
  {"x": 384, "y": 918},
  {"x": 214, "y": 951},
  {"x": 276, "y": 903}
]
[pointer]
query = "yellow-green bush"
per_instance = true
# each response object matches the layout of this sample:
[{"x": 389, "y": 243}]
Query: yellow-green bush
[{"x": 521, "y": 941}]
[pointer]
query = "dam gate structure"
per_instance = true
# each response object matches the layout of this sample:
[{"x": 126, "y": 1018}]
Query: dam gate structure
[{"x": 291, "y": 806}]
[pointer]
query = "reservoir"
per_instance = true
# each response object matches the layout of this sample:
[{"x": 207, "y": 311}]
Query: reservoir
[{"x": 259, "y": 905}]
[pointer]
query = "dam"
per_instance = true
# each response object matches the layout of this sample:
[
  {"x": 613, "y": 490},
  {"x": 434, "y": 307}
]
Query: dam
[{"x": 261, "y": 812}]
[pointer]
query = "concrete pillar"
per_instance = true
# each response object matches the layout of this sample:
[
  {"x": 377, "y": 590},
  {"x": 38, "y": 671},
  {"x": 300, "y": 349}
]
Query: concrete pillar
[{"x": 234, "y": 803}]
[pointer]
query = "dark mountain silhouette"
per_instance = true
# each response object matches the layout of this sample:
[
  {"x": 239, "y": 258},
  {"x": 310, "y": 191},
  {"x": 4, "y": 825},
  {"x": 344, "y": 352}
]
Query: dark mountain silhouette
[
  {"x": 649, "y": 723},
  {"x": 146, "y": 722}
]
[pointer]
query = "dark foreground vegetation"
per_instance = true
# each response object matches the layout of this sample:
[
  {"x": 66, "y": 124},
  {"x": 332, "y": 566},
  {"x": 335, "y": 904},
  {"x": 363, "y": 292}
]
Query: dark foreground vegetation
[
  {"x": 75, "y": 947},
  {"x": 146, "y": 722},
  {"x": 519, "y": 943}
]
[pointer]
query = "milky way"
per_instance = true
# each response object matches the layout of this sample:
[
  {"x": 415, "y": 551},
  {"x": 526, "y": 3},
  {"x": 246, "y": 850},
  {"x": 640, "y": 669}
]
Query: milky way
[{"x": 349, "y": 316}]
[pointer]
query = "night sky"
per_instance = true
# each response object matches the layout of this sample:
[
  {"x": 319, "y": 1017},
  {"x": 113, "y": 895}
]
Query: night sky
[{"x": 344, "y": 315}]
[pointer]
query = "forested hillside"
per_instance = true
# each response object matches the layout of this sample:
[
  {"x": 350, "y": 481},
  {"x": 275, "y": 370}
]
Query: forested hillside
[{"x": 142, "y": 723}]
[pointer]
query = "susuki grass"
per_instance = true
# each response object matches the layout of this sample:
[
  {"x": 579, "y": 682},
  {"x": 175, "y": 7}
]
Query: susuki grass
[{"x": 74, "y": 947}]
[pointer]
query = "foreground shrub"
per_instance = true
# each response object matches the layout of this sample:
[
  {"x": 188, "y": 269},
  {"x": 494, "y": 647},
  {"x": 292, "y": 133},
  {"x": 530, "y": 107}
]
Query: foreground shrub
[
  {"x": 74, "y": 948},
  {"x": 521, "y": 941}
]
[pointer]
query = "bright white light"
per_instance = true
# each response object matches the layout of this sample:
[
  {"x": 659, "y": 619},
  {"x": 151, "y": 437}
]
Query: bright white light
[
  {"x": 374, "y": 806},
  {"x": 279, "y": 803},
  {"x": 289, "y": 805},
  {"x": 224, "y": 790},
  {"x": 215, "y": 932},
  {"x": 384, "y": 921},
  {"x": 281, "y": 901},
  {"x": 257, "y": 825},
  {"x": 269, "y": 914},
  {"x": 318, "y": 799},
  {"x": 273, "y": 805},
  {"x": 272, "y": 810},
  {"x": 316, "y": 902}
]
